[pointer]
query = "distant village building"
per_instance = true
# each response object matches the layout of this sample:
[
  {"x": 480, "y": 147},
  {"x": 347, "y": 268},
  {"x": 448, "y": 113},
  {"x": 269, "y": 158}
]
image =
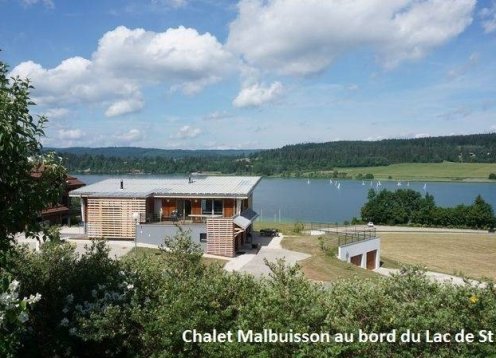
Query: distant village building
[
  {"x": 59, "y": 213},
  {"x": 218, "y": 210}
]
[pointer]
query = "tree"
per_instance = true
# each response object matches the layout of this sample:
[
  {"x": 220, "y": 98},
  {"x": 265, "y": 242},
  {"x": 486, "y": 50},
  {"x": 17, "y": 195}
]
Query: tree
[{"x": 29, "y": 180}]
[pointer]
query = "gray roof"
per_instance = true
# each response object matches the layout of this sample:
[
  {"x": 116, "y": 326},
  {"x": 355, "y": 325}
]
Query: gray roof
[
  {"x": 245, "y": 219},
  {"x": 201, "y": 186}
]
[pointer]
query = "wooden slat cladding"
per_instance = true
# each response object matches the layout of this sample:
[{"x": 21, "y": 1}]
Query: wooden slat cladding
[
  {"x": 228, "y": 208},
  {"x": 113, "y": 218},
  {"x": 220, "y": 237}
]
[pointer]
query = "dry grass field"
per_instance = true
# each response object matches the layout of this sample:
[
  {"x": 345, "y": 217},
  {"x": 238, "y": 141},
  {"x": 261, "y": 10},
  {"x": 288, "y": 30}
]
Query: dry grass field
[{"x": 473, "y": 255}]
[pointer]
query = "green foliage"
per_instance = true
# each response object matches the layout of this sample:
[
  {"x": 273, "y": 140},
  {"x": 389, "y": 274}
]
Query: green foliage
[
  {"x": 23, "y": 195},
  {"x": 14, "y": 312},
  {"x": 406, "y": 206},
  {"x": 137, "y": 307},
  {"x": 58, "y": 272},
  {"x": 298, "y": 227},
  {"x": 492, "y": 176}
]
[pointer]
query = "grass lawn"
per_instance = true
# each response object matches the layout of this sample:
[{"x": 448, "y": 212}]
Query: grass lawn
[
  {"x": 322, "y": 267},
  {"x": 285, "y": 227},
  {"x": 446, "y": 171},
  {"x": 156, "y": 253},
  {"x": 473, "y": 255}
]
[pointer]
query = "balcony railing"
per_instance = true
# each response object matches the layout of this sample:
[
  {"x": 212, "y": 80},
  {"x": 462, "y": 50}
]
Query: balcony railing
[{"x": 175, "y": 218}]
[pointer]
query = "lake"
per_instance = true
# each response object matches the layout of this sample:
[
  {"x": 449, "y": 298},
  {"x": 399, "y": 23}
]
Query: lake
[{"x": 319, "y": 200}]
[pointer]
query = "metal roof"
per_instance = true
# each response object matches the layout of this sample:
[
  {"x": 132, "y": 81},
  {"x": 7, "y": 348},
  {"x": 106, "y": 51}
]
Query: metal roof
[
  {"x": 201, "y": 186},
  {"x": 245, "y": 219}
]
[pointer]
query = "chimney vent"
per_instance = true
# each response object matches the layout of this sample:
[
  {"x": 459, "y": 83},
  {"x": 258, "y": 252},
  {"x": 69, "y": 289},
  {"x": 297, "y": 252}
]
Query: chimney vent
[
  {"x": 190, "y": 180},
  {"x": 122, "y": 184}
]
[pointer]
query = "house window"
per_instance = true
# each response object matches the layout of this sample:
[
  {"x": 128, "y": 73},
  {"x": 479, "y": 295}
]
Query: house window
[
  {"x": 203, "y": 237},
  {"x": 218, "y": 207},
  {"x": 212, "y": 207}
]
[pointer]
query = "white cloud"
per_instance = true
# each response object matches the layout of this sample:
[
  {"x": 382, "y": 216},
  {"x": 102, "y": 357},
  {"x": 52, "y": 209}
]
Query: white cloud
[
  {"x": 217, "y": 116},
  {"x": 47, "y": 3},
  {"x": 488, "y": 18},
  {"x": 459, "y": 71},
  {"x": 70, "y": 134},
  {"x": 55, "y": 113},
  {"x": 130, "y": 136},
  {"x": 127, "y": 60},
  {"x": 188, "y": 132},
  {"x": 303, "y": 37},
  {"x": 258, "y": 94},
  {"x": 124, "y": 106},
  {"x": 176, "y": 4}
]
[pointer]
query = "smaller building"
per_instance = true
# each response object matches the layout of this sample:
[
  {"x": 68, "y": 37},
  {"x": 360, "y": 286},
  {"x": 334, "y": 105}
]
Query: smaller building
[
  {"x": 361, "y": 248},
  {"x": 60, "y": 213},
  {"x": 218, "y": 210}
]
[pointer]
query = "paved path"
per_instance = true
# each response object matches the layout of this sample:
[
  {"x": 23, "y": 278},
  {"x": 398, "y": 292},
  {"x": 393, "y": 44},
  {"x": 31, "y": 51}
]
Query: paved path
[
  {"x": 434, "y": 276},
  {"x": 254, "y": 263}
]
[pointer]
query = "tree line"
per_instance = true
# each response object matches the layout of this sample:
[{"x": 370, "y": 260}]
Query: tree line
[
  {"x": 406, "y": 206},
  {"x": 288, "y": 160}
]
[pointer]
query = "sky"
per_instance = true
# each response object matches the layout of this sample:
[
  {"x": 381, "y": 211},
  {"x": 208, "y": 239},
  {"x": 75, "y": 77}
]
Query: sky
[{"x": 215, "y": 74}]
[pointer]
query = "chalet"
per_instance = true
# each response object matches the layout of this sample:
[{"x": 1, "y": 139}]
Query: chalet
[{"x": 217, "y": 210}]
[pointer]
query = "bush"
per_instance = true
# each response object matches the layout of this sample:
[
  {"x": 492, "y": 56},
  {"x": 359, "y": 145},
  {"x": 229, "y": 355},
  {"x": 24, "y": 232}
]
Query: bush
[
  {"x": 141, "y": 305},
  {"x": 492, "y": 176},
  {"x": 298, "y": 227}
]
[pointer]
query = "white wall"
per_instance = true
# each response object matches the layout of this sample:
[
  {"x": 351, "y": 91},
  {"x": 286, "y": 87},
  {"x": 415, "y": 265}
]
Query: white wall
[{"x": 346, "y": 252}]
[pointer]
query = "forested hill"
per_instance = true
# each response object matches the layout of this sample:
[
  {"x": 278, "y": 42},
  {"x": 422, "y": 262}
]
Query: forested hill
[
  {"x": 477, "y": 148},
  {"x": 137, "y": 152},
  {"x": 291, "y": 159}
]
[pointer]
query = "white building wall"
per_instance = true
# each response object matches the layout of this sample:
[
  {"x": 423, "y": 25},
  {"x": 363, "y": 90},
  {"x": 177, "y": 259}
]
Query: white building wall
[{"x": 346, "y": 252}]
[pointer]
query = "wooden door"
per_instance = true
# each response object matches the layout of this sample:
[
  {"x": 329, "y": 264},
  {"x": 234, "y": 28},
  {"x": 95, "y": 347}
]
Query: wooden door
[
  {"x": 371, "y": 256},
  {"x": 356, "y": 260}
]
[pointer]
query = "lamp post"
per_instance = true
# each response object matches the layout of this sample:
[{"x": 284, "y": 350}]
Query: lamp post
[{"x": 136, "y": 217}]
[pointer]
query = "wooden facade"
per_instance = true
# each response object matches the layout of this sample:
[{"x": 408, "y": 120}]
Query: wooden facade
[
  {"x": 113, "y": 218},
  {"x": 220, "y": 234}
]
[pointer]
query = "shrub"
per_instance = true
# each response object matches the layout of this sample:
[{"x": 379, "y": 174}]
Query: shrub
[
  {"x": 492, "y": 176},
  {"x": 298, "y": 227}
]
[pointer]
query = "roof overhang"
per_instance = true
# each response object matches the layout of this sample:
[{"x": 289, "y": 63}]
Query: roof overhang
[{"x": 245, "y": 219}]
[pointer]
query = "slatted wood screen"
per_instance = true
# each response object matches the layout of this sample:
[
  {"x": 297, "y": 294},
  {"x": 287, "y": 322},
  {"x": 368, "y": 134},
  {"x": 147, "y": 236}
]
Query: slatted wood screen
[
  {"x": 113, "y": 218},
  {"x": 220, "y": 237}
]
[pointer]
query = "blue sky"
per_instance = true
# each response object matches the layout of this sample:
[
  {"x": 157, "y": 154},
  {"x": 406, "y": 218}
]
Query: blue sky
[{"x": 207, "y": 74}]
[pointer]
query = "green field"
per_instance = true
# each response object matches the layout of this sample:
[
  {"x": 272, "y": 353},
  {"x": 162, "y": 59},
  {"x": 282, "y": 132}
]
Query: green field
[{"x": 446, "y": 171}]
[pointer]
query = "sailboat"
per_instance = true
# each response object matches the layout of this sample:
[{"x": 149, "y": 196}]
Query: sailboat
[
  {"x": 399, "y": 183},
  {"x": 339, "y": 186},
  {"x": 408, "y": 184},
  {"x": 330, "y": 181},
  {"x": 425, "y": 186},
  {"x": 379, "y": 183},
  {"x": 308, "y": 181},
  {"x": 363, "y": 183}
]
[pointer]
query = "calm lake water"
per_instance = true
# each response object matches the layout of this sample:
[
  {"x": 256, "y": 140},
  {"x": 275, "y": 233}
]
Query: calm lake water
[{"x": 319, "y": 200}]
